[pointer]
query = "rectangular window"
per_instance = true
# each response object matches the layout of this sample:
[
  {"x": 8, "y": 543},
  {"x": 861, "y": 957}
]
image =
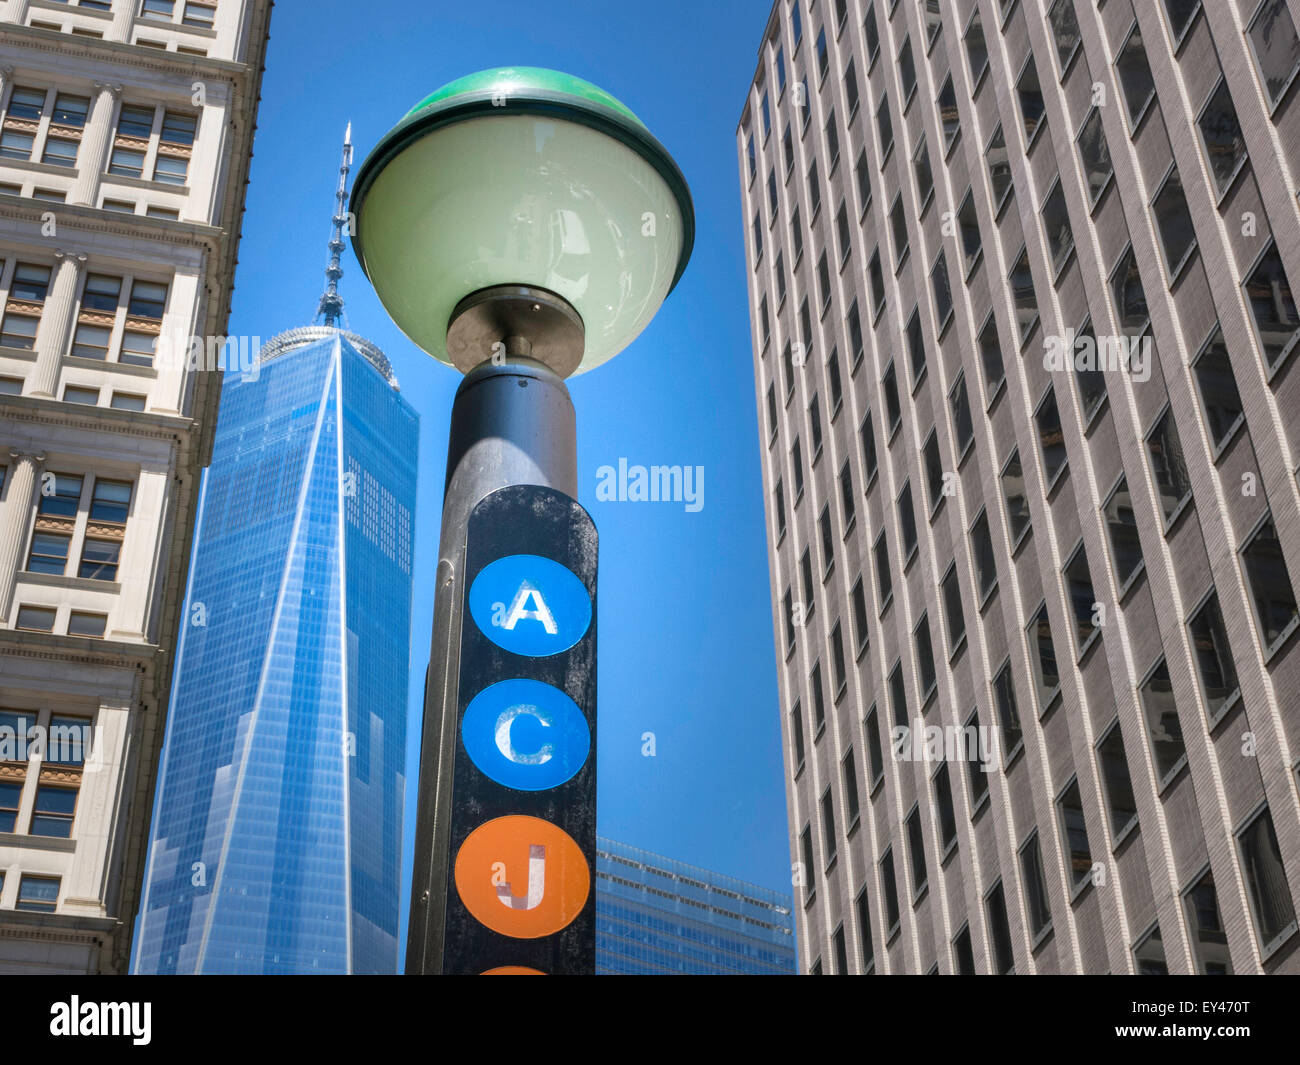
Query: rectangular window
[
  {"x": 814, "y": 190},
  {"x": 1039, "y": 910},
  {"x": 841, "y": 952},
  {"x": 1031, "y": 99},
  {"x": 824, "y": 282},
  {"x": 1121, "y": 526},
  {"x": 933, "y": 463},
  {"x": 952, "y": 608},
  {"x": 1149, "y": 954},
  {"x": 995, "y": 907},
  {"x": 1004, "y": 697},
  {"x": 943, "y": 804},
  {"x": 1167, "y": 468},
  {"x": 836, "y": 385},
  {"x": 1268, "y": 291},
  {"x": 1266, "y": 883},
  {"x": 846, "y": 494},
  {"x": 31, "y": 283},
  {"x": 38, "y": 894},
  {"x": 1056, "y": 227},
  {"x": 1218, "y": 389},
  {"x": 1042, "y": 658},
  {"x": 854, "y": 322},
  {"x": 1221, "y": 137},
  {"x": 981, "y": 543},
  {"x": 848, "y": 770},
  {"x": 906, "y": 70},
  {"x": 101, "y": 293},
  {"x": 837, "y": 660},
  {"x": 819, "y": 700},
  {"x": 806, "y": 576},
  {"x": 1135, "y": 76},
  {"x": 99, "y": 559},
  {"x": 924, "y": 176},
  {"x": 876, "y": 276},
  {"x": 864, "y": 931},
  {"x": 828, "y": 827},
  {"x": 1213, "y": 658},
  {"x": 136, "y": 121},
  {"x": 883, "y": 573},
  {"x": 126, "y": 162},
  {"x": 916, "y": 851},
  {"x": 1051, "y": 438},
  {"x": 772, "y": 421},
  {"x": 14, "y": 144},
  {"x": 1174, "y": 223},
  {"x": 1270, "y": 583},
  {"x": 942, "y": 289},
  {"x": 796, "y": 732},
  {"x": 85, "y": 624},
  {"x": 891, "y": 892},
  {"x": 1083, "y": 601},
  {"x": 200, "y": 15},
  {"x": 863, "y": 174},
  {"x": 70, "y": 111},
  {"x": 962, "y": 426},
  {"x": 898, "y": 694},
  {"x": 832, "y": 144},
  {"x": 906, "y": 523},
  {"x": 1075, "y": 829},
  {"x": 27, "y": 103},
  {"x": 779, "y": 500},
  {"x": 1119, "y": 786},
  {"x": 11, "y": 793},
  {"x": 963, "y": 955},
  {"x": 171, "y": 170},
  {"x": 1157, "y": 698},
  {"x": 110, "y": 501},
  {"x": 60, "y": 495},
  {"x": 35, "y": 619},
  {"x": 823, "y": 56},
  {"x": 999, "y": 164},
  {"x": 1095, "y": 156},
  {"x": 979, "y": 780},
  {"x": 868, "y": 447},
  {"x": 60, "y": 151},
  {"x": 1021, "y": 280},
  {"x": 54, "y": 811},
  {"x": 828, "y": 541},
  {"x": 889, "y": 383},
  {"x": 971, "y": 243},
  {"x": 815, "y": 427},
  {"x": 924, "y": 657},
  {"x": 1276, "y": 47},
  {"x": 1209, "y": 938},
  {"x": 949, "y": 119},
  {"x": 127, "y": 401},
  {"x": 1012, "y": 481},
  {"x": 49, "y": 553},
  {"x": 806, "y": 849},
  {"x": 1128, "y": 294},
  {"x": 884, "y": 127},
  {"x": 1065, "y": 31},
  {"x": 861, "y": 632},
  {"x": 871, "y": 33},
  {"x": 851, "y": 88},
  {"x": 789, "y": 622}
]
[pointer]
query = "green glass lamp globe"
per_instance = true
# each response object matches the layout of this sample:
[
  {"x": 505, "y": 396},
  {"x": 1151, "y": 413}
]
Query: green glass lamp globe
[{"x": 530, "y": 177}]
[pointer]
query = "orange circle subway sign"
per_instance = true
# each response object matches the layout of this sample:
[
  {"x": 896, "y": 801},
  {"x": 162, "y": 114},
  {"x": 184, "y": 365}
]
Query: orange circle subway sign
[{"x": 522, "y": 877}]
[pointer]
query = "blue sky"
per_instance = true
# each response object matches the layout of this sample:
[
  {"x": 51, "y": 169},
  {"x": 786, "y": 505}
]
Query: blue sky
[{"x": 686, "y": 647}]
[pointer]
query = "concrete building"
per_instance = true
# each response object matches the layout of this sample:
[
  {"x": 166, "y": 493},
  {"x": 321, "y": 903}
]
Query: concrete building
[
  {"x": 660, "y": 917},
  {"x": 1025, "y": 366},
  {"x": 126, "y": 129}
]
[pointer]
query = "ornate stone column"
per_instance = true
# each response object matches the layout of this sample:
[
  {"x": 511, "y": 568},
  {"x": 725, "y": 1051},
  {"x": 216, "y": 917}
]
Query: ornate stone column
[
  {"x": 123, "y": 19},
  {"x": 93, "y": 156},
  {"x": 56, "y": 324},
  {"x": 20, "y": 494}
]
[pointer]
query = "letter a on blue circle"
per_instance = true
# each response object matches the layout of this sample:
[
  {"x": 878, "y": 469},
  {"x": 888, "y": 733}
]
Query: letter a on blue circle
[{"x": 530, "y": 605}]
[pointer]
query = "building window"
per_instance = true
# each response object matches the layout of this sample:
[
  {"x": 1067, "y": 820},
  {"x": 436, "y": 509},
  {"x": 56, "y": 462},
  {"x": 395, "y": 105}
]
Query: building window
[
  {"x": 898, "y": 694},
  {"x": 864, "y": 931},
  {"x": 1213, "y": 658},
  {"x": 1042, "y": 658},
  {"x": 924, "y": 658},
  {"x": 24, "y": 306},
  {"x": 924, "y": 176},
  {"x": 884, "y": 127},
  {"x": 1036, "y": 899},
  {"x": 789, "y": 622},
  {"x": 949, "y": 119},
  {"x": 898, "y": 227},
  {"x": 766, "y": 109},
  {"x": 1135, "y": 76},
  {"x": 848, "y": 771},
  {"x": 1276, "y": 47},
  {"x": 851, "y": 88},
  {"x": 1181, "y": 13},
  {"x": 999, "y": 164},
  {"x": 162, "y": 10},
  {"x": 828, "y": 542},
  {"x": 1031, "y": 99},
  {"x": 54, "y": 811},
  {"x": 796, "y": 24},
  {"x": 906, "y": 70},
  {"x": 1083, "y": 602},
  {"x": 751, "y": 157},
  {"x": 1266, "y": 882},
  {"x": 868, "y": 447},
  {"x": 127, "y": 401},
  {"x": 1174, "y": 222},
  {"x": 944, "y": 807},
  {"x": 1021, "y": 280},
  {"x": 952, "y": 608},
  {"x": 772, "y": 199},
  {"x": 1221, "y": 136},
  {"x": 1218, "y": 389},
  {"x": 1056, "y": 227},
  {"x": 1074, "y": 827},
  {"x": 1115, "y": 776},
  {"x": 871, "y": 32},
  {"x": 854, "y": 322},
  {"x": 11, "y": 794},
  {"x": 916, "y": 852},
  {"x": 86, "y": 397},
  {"x": 806, "y": 577},
  {"x": 841, "y": 952},
  {"x": 1004, "y": 698},
  {"x": 979, "y": 779},
  {"x": 1268, "y": 291},
  {"x": 1095, "y": 156},
  {"x": 832, "y": 144},
  {"x": 846, "y": 495},
  {"x": 81, "y": 623},
  {"x": 883, "y": 572},
  {"x": 824, "y": 281},
  {"x": 814, "y": 190},
  {"x": 1121, "y": 525},
  {"x": 863, "y": 175},
  {"x": 35, "y": 618},
  {"x": 1149, "y": 954},
  {"x": 986, "y": 570},
  {"x": 779, "y": 507},
  {"x": 877, "y": 278},
  {"x": 995, "y": 907},
  {"x": 1157, "y": 698},
  {"x": 876, "y": 754},
  {"x": 1012, "y": 480},
  {"x": 815, "y": 427},
  {"x": 796, "y": 732},
  {"x": 1051, "y": 438},
  {"x": 837, "y": 660},
  {"x": 1209, "y": 938},
  {"x": 1167, "y": 467},
  {"x": 1128, "y": 294},
  {"x": 202, "y": 16},
  {"x": 906, "y": 523},
  {"x": 796, "y": 461},
  {"x": 1089, "y": 378},
  {"x": 810, "y": 869},
  {"x": 837, "y": 387},
  {"x": 963, "y": 956},
  {"x": 828, "y": 828},
  {"x": 971, "y": 243},
  {"x": 933, "y": 469},
  {"x": 887, "y": 878},
  {"x": 942, "y": 289},
  {"x": 861, "y": 632},
  {"x": 39, "y": 894},
  {"x": 823, "y": 57},
  {"x": 49, "y": 553},
  {"x": 889, "y": 383},
  {"x": 1065, "y": 31},
  {"x": 962, "y": 426},
  {"x": 1270, "y": 583}
]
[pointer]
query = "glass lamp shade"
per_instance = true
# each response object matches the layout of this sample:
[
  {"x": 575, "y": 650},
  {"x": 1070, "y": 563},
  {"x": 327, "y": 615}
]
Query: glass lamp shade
[{"x": 523, "y": 176}]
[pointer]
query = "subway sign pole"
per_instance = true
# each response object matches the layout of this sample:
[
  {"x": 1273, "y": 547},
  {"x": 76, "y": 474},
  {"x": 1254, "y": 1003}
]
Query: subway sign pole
[{"x": 522, "y": 226}]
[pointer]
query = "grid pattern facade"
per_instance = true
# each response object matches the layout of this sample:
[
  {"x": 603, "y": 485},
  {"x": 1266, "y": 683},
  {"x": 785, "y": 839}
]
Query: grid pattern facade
[
  {"x": 1024, "y": 336},
  {"x": 656, "y": 916},
  {"x": 277, "y": 829}
]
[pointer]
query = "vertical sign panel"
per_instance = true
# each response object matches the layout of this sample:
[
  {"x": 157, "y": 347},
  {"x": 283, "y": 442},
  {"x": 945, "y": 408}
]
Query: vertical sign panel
[{"x": 521, "y": 896}]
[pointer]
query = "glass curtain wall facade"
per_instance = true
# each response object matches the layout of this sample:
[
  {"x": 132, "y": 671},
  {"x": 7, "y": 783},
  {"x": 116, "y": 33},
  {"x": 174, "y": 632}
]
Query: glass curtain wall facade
[{"x": 276, "y": 842}]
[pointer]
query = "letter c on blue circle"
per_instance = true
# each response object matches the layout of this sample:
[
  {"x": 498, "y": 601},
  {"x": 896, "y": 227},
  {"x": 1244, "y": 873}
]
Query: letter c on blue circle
[{"x": 525, "y": 734}]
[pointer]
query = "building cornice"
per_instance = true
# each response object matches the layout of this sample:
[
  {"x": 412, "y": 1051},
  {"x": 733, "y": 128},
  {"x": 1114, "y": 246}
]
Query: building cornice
[{"x": 80, "y": 650}]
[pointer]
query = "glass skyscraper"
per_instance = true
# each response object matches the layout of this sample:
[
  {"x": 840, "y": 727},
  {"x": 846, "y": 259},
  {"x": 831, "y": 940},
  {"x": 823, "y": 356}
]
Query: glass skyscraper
[
  {"x": 276, "y": 837},
  {"x": 659, "y": 916}
]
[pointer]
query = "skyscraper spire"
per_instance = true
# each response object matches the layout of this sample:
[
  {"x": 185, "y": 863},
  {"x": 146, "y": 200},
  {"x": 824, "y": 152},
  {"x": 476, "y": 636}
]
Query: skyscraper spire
[{"x": 330, "y": 310}]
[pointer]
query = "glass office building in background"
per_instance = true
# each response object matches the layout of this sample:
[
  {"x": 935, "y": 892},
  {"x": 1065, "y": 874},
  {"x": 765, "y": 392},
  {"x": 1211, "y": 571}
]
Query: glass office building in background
[{"x": 658, "y": 916}]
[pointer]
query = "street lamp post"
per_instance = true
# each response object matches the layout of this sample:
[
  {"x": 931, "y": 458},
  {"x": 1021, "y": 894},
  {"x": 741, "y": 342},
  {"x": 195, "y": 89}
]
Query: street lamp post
[{"x": 522, "y": 226}]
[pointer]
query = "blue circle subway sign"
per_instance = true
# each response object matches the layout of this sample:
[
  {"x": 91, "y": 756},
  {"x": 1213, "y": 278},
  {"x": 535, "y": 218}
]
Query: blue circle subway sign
[
  {"x": 530, "y": 605},
  {"x": 525, "y": 734}
]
